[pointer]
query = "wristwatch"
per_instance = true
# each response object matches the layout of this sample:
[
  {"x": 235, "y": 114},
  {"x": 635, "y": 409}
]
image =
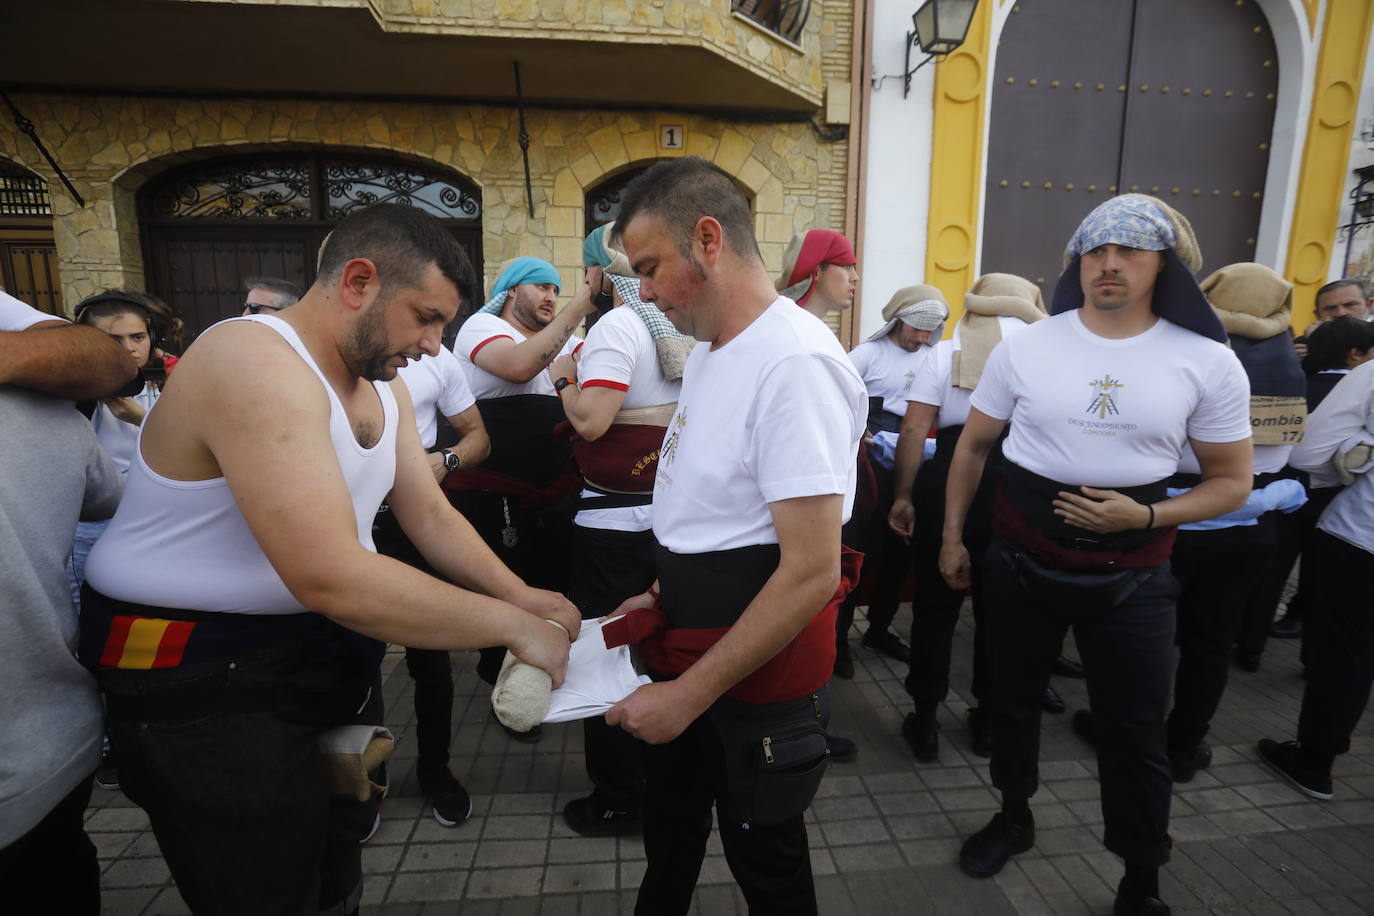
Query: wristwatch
[
  {"x": 451, "y": 461},
  {"x": 560, "y": 384}
]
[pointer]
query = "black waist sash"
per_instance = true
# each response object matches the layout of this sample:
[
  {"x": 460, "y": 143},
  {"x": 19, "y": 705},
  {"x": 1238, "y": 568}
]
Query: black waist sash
[
  {"x": 1185, "y": 481},
  {"x": 885, "y": 421},
  {"x": 523, "y": 445},
  {"x": 610, "y": 499},
  {"x": 707, "y": 590},
  {"x": 1033, "y": 497}
]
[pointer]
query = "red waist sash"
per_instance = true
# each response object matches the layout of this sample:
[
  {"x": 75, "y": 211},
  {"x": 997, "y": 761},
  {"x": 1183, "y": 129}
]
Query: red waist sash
[
  {"x": 623, "y": 459},
  {"x": 802, "y": 666},
  {"x": 531, "y": 496}
]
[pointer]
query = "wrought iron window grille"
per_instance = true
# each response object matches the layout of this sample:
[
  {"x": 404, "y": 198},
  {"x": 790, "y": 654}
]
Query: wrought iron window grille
[
  {"x": 24, "y": 195},
  {"x": 306, "y": 189},
  {"x": 785, "y": 17}
]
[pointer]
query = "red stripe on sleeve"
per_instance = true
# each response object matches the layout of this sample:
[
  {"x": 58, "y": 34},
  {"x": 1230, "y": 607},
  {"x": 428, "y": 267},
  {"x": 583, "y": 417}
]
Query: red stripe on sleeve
[
  {"x": 173, "y": 644},
  {"x": 473, "y": 355},
  {"x": 578, "y": 347},
  {"x": 114, "y": 643},
  {"x": 605, "y": 383}
]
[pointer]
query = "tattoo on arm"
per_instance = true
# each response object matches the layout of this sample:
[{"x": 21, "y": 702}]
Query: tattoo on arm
[{"x": 547, "y": 357}]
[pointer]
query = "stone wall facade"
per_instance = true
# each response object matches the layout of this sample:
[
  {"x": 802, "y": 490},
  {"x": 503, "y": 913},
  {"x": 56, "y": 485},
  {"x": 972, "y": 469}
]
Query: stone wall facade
[{"x": 111, "y": 146}]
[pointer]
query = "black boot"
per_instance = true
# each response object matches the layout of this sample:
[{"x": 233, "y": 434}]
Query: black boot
[
  {"x": 987, "y": 851},
  {"x": 922, "y": 733}
]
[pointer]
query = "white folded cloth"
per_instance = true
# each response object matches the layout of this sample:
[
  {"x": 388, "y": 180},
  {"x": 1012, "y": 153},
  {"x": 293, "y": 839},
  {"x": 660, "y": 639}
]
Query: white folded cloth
[{"x": 598, "y": 678}]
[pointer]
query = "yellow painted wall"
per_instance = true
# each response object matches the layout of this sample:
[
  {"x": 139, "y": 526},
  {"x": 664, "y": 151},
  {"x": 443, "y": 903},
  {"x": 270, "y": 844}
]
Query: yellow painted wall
[{"x": 1326, "y": 157}]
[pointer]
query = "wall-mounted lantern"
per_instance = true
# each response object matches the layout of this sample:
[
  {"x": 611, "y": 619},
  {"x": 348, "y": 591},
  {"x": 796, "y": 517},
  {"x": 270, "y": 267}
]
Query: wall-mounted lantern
[{"x": 940, "y": 26}]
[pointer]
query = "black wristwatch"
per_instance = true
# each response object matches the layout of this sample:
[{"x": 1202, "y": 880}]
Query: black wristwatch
[
  {"x": 451, "y": 461},
  {"x": 560, "y": 384}
]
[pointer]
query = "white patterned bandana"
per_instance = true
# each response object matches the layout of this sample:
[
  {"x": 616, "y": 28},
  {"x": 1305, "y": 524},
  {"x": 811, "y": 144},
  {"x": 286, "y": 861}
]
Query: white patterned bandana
[
  {"x": 659, "y": 327},
  {"x": 1131, "y": 220}
]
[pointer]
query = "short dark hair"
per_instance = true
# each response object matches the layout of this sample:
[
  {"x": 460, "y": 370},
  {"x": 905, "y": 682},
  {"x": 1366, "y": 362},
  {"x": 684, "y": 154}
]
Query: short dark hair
[
  {"x": 284, "y": 289},
  {"x": 402, "y": 241},
  {"x": 680, "y": 192},
  {"x": 1330, "y": 343},
  {"x": 1342, "y": 284}
]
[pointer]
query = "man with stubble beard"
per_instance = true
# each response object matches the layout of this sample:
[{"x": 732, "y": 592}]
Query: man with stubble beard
[
  {"x": 522, "y": 498},
  {"x": 232, "y": 616},
  {"x": 1102, "y": 398}
]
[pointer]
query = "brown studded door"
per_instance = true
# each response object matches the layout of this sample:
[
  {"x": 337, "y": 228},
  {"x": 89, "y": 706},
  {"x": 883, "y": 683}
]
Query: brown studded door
[
  {"x": 210, "y": 226},
  {"x": 1173, "y": 98}
]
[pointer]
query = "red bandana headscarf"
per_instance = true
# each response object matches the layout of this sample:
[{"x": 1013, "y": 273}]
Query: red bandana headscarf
[{"x": 807, "y": 252}]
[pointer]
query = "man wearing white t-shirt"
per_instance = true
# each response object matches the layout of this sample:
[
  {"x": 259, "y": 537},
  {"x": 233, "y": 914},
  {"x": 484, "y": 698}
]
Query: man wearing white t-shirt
[
  {"x": 626, "y": 380},
  {"x": 520, "y": 499},
  {"x": 1339, "y": 628},
  {"x": 438, "y": 387},
  {"x": 1102, "y": 398},
  {"x": 887, "y": 362},
  {"x": 997, "y": 306},
  {"x": 755, "y": 478}
]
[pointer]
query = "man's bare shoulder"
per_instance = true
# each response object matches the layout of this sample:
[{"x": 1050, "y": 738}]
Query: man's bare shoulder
[
  {"x": 242, "y": 368},
  {"x": 245, "y": 356}
]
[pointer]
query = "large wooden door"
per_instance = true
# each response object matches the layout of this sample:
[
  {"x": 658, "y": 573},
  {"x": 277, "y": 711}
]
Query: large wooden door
[
  {"x": 28, "y": 256},
  {"x": 209, "y": 227},
  {"x": 1173, "y": 98}
]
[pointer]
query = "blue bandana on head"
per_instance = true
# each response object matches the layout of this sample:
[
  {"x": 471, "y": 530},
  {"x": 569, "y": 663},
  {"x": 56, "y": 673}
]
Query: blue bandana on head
[
  {"x": 1138, "y": 221},
  {"x": 1128, "y": 220},
  {"x": 522, "y": 270},
  {"x": 594, "y": 253}
]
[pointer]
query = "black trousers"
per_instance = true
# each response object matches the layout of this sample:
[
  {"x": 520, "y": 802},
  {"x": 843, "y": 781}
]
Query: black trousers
[
  {"x": 53, "y": 867},
  {"x": 430, "y": 669},
  {"x": 683, "y": 780},
  {"x": 608, "y": 567},
  {"x": 935, "y": 607},
  {"x": 888, "y": 559},
  {"x": 1218, "y": 573},
  {"x": 1128, "y": 654},
  {"x": 1338, "y": 632},
  {"x": 539, "y": 555},
  {"x": 1293, "y": 534}
]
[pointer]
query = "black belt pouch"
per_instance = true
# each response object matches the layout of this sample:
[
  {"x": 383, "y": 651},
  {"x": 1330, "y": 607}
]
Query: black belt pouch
[
  {"x": 775, "y": 755},
  {"x": 1078, "y": 592}
]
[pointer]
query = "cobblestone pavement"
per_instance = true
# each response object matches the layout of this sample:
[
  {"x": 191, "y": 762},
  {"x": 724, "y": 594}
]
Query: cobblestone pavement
[{"x": 884, "y": 830}]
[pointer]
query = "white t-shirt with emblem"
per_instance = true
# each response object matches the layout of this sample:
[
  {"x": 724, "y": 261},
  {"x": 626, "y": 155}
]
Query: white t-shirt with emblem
[
  {"x": 888, "y": 371},
  {"x": 619, "y": 353},
  {"x": 480, "y": 330},
  {"x": 437, "y": 385},
  {"x": 776, "y": 413},
  {"x": 1104, "y": 412},
  {"x": 934, "y": 382}
]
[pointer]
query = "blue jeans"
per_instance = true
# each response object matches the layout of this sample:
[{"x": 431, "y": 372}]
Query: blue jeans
[
  {"x": 86, "y": 534},
  {"x": 237, "y": 796}
]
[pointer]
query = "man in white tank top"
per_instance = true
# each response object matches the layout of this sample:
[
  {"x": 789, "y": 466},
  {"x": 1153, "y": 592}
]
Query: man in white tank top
[{"x": 233, "y": 616}]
